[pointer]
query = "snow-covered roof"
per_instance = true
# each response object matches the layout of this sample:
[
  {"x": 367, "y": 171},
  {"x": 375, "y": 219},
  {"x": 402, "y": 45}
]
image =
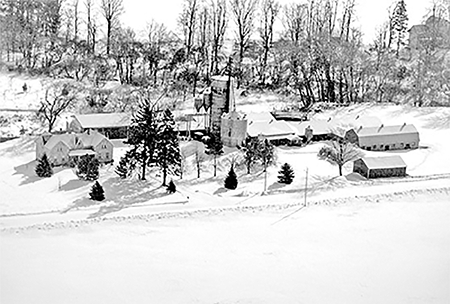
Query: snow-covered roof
[
  {"x": 386, "y": 162},
  {"x": 319, "y": 127},
  {"x": 275, "y": 129},
  {"x": 104, "y": 120},
  {"x": 90, "y": 139},
  {"x": 386, "y": 130},
  {"x": 262, "y": 116}
]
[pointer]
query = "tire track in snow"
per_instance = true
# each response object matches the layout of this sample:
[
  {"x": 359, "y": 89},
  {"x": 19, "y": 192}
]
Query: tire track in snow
[{"x": 224, "y": 210}]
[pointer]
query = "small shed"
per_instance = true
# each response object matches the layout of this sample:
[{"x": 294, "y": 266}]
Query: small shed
[{"x": 374, "y": 167}]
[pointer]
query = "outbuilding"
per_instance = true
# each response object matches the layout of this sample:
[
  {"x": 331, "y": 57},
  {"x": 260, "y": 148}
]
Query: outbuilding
[
  {"x": 374, "y": 167},
  {"x": 383, "y": 138},
  {"x": 111, "y": 125}
]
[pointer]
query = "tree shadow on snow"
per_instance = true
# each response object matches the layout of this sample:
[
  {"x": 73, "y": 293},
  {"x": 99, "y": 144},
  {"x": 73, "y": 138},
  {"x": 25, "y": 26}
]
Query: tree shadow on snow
[
  {"x": 27, "y": 172},
  {"x": 127, "y": 193}
]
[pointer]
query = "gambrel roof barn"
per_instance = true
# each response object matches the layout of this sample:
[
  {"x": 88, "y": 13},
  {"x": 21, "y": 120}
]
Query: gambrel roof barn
[{"x": 384, "y": 138}]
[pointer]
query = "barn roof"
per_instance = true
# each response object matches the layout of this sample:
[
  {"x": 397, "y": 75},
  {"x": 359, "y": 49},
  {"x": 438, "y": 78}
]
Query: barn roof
[
  {"x": 262, "y": 116},
  {"x": 386, "y": 130},
  {"x": 319, "y": 127},
  {"x": 386, "y": 162},
  {"x": 274, "y": 129},
  {"x": 104, "y": 120}
]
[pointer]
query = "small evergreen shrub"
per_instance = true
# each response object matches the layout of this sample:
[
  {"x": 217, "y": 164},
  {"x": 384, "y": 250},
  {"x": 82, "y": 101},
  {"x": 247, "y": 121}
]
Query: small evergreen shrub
[
  {"x": 231, "y": 181},
  {"x": 43, "y": 167},
  {"x": 171, "y": 188},
  {"x": 122, "y": 168},
  {"x": 97, "y": 193},
  {"x": 286, "y": 174}
]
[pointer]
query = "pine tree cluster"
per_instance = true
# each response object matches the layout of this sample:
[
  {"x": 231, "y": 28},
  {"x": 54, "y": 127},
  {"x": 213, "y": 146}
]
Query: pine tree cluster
[{"x": 154, "y": 142}]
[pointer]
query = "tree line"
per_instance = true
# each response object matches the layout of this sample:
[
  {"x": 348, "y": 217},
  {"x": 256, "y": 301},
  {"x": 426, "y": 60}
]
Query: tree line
[{"x": 317, "y": 55}]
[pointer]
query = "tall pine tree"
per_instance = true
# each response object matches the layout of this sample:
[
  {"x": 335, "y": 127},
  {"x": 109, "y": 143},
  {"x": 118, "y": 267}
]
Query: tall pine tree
[
  {"x": 43, "y": 167},
  {"x": 399, "y": 24},
  {"x": 214, "y": 147},
  {"x": 167, "y": 149},
  {"x": 143, "y": 134}
]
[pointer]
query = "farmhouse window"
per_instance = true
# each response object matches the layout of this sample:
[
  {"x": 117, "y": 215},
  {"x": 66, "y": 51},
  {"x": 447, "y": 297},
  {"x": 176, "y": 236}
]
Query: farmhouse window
[
  {"x": 107, "y": 155},
  {"x": 374, "y": 147}
]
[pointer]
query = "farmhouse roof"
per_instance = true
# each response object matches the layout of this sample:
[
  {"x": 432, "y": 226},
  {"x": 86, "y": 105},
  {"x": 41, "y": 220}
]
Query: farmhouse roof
[
  {"x": 386, "y": 130},
  {"x": 104, "y": 120},
  {"x": 275, "y": 129},
  {"x": 386, "y": 162},
  {"x": 90, "y": 139}
]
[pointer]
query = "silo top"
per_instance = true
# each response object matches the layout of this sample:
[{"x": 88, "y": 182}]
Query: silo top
[{"x": 219, "y": 81}]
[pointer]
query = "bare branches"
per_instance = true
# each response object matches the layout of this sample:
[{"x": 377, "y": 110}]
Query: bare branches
[
  {"x": 339, "y": 153},
  {"x": 244, "y": 14},
  {"x": 57, "y": 99},
  {"x": 111, "y": 10}
]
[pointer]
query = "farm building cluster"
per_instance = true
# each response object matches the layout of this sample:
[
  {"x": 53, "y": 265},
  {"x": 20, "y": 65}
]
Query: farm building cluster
[{"x": 215, "y": 110}]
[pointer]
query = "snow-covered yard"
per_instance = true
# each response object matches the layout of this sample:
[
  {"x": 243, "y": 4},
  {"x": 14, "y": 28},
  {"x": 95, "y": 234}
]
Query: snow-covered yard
[{"x": 394, "y": 251}]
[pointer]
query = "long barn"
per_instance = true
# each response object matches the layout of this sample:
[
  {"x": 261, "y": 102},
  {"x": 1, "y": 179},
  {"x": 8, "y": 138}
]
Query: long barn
[{"x": 384, "y": 138}]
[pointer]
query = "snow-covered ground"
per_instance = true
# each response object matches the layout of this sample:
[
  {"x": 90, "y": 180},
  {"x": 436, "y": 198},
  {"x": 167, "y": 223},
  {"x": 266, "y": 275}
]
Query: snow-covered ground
[{"x": 391, "y": 251}]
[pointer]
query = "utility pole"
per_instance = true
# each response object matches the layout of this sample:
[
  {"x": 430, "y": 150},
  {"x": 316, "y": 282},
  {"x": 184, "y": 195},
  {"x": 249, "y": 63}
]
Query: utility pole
[{"x": 306, "y": 186}]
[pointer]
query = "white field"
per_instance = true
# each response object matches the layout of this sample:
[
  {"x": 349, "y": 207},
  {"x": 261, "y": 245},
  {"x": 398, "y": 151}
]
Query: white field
[
  {"x": 358, "y": 241},
  {"x": 394, "y": 251}
]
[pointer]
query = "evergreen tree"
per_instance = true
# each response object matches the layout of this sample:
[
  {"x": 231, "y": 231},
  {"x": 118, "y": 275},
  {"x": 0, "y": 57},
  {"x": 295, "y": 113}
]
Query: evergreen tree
[
  {"x": 92, "y": 170},
  {"x": 143, "y": 135},
  {"x": 123, "y": 168},
  {"x": 399, "y": 24},
  {"x": 214, "y": 147},
  {"x": 88, "y": 167},
  {"x": 43, "y": 167},
  {"x": 286, "y": 174},
  {"x": 167, "y": 150},
  {"x": 231, "y": 180},
  {"x": 171, "y": 188},
  {"x": 97, "y": 193}
]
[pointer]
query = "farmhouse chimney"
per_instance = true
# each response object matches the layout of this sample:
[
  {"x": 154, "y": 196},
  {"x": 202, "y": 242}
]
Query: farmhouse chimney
[
  {"x": 403, "y": 126},
  {"x": 381, "y": 127}
]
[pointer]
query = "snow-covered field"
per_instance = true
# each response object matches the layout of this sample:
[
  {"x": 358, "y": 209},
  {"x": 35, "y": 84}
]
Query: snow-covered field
[{"x": 391, "y": 251}]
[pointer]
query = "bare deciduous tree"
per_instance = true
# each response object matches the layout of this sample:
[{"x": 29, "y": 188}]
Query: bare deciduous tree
[
  {"x": 57, "y": 99},
  {"x": 244, "y": 14},
  {"x": 188, "y": 22},
  {"x": 219, "y": 26},
  {"x": 111, "y": 10},
  {"x": 339, "y": 153},
  {"x": 269, "y": 11}
]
